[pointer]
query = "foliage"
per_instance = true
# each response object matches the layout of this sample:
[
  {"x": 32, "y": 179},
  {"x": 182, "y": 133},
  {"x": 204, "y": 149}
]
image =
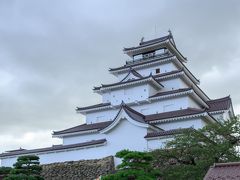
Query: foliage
[
  {"x": 26, "y": 168},
  {"x": 135, "y": 165},
  {"x": 5, "y": 170},
  {"x": 189, "y": 155}
]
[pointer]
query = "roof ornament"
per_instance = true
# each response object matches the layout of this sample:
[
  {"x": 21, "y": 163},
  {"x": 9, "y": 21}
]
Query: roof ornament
[
  {"x": 171, "y": 36},
  {"x": 123, "y": 103},
  {"x": 141, "y": 41}
]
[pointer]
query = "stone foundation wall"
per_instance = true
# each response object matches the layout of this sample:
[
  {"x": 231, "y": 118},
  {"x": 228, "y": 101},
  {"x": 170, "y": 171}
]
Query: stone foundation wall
[{"x": 78, "y": 170}]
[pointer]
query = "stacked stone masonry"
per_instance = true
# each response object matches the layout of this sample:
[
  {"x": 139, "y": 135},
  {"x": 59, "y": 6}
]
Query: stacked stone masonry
[{"x": 78, "y": 170}]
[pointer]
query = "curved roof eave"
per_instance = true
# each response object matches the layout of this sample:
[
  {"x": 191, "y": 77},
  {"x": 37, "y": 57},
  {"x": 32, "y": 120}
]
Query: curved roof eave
[{"x": 124, "y": 114}]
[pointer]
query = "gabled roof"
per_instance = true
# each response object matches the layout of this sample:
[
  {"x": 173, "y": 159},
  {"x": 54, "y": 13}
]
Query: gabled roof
[
  {"x": 214, "y": 105},
  {"x": 134, "y": 73},
  {"x": 115, "y": 85},
  {"x": 166, "y": 133},
  {"x": 101, "y": 125},
  {"x": 54, "y": 148},
  {"x": 83, "y": 128},
  {"x": 154, "y": 77},
  {"x": 224, "y": 171},
  {"x": 135, "y": 118}
]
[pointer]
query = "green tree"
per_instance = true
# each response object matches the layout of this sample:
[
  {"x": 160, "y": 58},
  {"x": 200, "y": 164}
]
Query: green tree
[
  {"x": 190, "y": 154},
  {"x": 4, "y": 171},
  {"x": 135, "y": 165},
  {"x": 26, "y": 168}
]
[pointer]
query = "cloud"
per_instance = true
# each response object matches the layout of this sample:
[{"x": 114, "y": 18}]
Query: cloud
[
  {"x": 28, "y": 140},
  {"x": 52, "y": 54}
]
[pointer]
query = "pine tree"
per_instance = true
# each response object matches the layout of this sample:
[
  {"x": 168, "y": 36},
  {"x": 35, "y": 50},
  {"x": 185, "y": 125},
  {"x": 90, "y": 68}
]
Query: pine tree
[
  {"x": 26, "y": 168},
  {"x": 135, "y": 165}
]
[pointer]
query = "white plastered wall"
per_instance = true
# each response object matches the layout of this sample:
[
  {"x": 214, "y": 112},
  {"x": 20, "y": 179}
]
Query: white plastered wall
[{"x": 157, "y": 106}]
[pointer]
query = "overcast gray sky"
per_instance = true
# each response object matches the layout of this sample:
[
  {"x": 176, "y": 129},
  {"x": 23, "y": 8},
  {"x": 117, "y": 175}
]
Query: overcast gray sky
[{"x": 52, "y": 53}]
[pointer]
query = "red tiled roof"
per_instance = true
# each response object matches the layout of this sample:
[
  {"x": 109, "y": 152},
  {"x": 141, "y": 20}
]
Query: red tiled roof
[
  {"x": 147, "y": 43},
  {"x": 101, "y": 125},
  {"x": 156, "y": 95},
  {"x": 137, "y": 63},
  {"x": 125, "y": 82},
  {"x": 166, "y": 133},
  {"x": 137, "y": 116},
  {"x": 215, "y": 105},
  {"x": 224, "y": 171},
  {"x": 54, "y": 148},
  {"x": 164, "y": 93},
  {"x": 93, "y": 106},
  {"x": 84, "y": 127},
  {"x": 219, "y": 104},
  {"x": 135, "y": 73},
  {"x": 154, "y": 77},
  {"x": 172, "y": 114}
]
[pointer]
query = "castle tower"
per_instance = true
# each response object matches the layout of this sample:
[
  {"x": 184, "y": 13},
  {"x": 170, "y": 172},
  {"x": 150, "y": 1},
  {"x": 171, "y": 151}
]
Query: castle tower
[{"x": 155, "y": 97}]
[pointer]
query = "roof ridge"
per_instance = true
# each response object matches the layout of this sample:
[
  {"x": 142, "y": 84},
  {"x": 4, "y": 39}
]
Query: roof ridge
[
  {"x": 133, "y": 110},
  {"x": 167, "y": 132},
  {"x": 134, "y": 72},
  {"x": 93, "y": 106},
  {"x": 81, "y": 125},
  {"x": 154, "y": 40},
  {"x": 54, "y": 148},
  {"x": 219, "y": 99},
  {"x": 226, "y": 164},
  {"x": 171, "y": 91},
  {"x": 146, "y": 77},
  {"x": 141, "y": 62}
]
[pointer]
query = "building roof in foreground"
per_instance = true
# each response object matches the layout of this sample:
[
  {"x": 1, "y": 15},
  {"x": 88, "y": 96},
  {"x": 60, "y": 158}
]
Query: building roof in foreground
[
  {"x": 53, "y": 148},
  {"x": 224, "y": 171}
]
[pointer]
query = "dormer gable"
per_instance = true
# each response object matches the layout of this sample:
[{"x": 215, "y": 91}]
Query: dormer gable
[
  {"x": 132, "y": 74},
  {"x": 129, "y": 114}
]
